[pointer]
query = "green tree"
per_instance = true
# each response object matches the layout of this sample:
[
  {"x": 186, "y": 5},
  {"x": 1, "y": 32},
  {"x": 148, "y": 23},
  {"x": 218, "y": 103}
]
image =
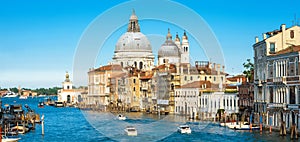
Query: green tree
[{"x": 248, "y": 70}]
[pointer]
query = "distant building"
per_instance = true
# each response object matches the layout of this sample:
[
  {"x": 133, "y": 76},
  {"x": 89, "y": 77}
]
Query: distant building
[
  {"x": 67, "y": 94},
  {"x": 98, "y": 84},
  {"x": 211, "y": 103},
  {"x": 276, "y": 76},
  {"x": 28, "y": 93},
  {"x": 246, "y": 98}
]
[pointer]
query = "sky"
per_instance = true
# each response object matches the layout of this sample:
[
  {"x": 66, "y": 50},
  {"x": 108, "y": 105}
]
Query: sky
[{"x": 39, "y": 39}]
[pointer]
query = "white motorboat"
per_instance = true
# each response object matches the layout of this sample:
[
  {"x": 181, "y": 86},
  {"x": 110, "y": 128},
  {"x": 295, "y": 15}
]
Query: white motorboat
[
  {"x": 121, "y": 117},
  {"x": 23, "y": 97},
  {"x": 240, "y": 126},
  {"x": 59, "y": 104},
  {"x": 184, "y": 129},
  {"x": 11, "y": 94},
  {"x": 7, "y": 139},
  {"x": 130, "y": 131}
]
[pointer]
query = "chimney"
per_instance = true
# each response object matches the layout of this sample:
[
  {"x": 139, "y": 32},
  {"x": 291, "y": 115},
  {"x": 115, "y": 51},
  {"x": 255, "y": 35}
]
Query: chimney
[
  {"x": 256, "y": 39},
  {"x": 283, "y": 27},
  {"x": 264, "y": 36}
]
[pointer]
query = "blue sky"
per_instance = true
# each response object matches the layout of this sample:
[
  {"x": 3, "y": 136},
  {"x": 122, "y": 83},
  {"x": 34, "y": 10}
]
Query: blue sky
[{"x": 38, "y": 39}]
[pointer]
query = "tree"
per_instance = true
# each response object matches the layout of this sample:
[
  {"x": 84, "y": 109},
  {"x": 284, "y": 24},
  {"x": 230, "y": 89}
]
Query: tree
[{"x": 248, "y": 70}]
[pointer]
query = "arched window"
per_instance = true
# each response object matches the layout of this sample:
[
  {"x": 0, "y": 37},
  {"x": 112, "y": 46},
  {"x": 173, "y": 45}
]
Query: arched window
[
  {"x": 187, "y": 49},
  {"x": 141, "y": 65},
  {"x": 122, "y": 64},
  {"x": 292, "y": 34},
  {"x": 135, "y": 64}
]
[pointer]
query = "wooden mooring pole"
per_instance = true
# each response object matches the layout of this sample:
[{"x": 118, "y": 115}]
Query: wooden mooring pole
[{"x": 43, "y": 132}]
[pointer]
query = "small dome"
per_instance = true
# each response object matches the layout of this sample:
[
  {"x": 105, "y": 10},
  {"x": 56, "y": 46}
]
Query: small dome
[
  {"x": 133, "y": 41},
  {"x": 169, "y": 49}
]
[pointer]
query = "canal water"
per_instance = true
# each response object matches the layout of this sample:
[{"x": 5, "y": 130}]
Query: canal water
[{"x": 73, "y": 125}]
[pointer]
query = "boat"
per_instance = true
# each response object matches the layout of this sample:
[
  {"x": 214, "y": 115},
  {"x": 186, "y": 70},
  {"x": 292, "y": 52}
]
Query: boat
[
  {"x": 240, "y": 126},
  {"x": 49, "y": 101},
  {"x": 11, "y": 94},
  {"x": 59, "y": 104},
  {"x": 184, "y": 129},
  {"x": 23, "y": 97},
  {"x": 41, "y": 105},
  {"x": 121, "y": 117},
  {"x": 9, "y": 139},
  {"x": 130, "y": 131},
  {"x": 21, "y": 129}
]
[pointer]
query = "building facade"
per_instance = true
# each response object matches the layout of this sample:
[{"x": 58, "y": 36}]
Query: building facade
[
  {"x": 276, "y": 76},
  {"x": 68, "y": 94}
]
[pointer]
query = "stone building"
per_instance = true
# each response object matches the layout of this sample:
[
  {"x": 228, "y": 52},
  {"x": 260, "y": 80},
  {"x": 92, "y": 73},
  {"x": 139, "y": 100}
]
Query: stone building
[{"x": 276, "y": 76}]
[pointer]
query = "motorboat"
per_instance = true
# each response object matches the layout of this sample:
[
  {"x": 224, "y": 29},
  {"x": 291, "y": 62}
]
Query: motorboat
[
  {"x": 184, "y": 129},
  {"x": 59, "y": 104},
  {"x": 121, "y": 117},
  {"x": 130, "y": 131},
  {"x": 9, "y": 139},
  {"x": 227, "y": 123},
  {"x": 23, "y": 97},
  {"x": 240, "y": 126},
  {"x": 11, "y": 94},
  {"x": 41, "y": 105}
]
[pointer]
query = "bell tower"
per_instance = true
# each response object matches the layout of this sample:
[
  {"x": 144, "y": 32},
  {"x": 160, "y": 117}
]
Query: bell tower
[
  {"x": 185, "y": 49},
  {"x": 67, "y": 84}
]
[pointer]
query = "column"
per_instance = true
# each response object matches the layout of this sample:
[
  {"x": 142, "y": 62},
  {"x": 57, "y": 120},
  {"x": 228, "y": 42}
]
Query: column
[
  {"x": 275, "y": 69},
  {"x": 236, "y": 104},
  {"x": 225, "y": 105},
  {"x": 296, "y": 94},
  {"x": 288, "y": 95}
]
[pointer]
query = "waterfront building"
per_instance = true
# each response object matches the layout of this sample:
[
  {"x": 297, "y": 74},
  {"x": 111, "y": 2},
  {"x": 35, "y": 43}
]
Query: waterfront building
[
  {"x": 133, "y": 47},
  {"x": 187, "y": 98},
  {"x": 212, "y": 103},
  {"x": 98, "y": 84},
  {"x": 68, "y": 94},
  {"x": 118, "y": 91},
  {"x": 246, "y": 98},
  {"x": 276, "y": 76},
  {"x": 29, "y": 93}
]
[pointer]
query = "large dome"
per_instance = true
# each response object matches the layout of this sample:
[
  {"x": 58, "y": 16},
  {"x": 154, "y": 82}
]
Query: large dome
[
  {"x": 169, "y": 49},
  {"x": 133, "y": 41}
]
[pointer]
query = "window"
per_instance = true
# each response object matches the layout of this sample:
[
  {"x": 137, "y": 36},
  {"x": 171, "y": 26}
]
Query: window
[
  {"x": 191, "y": 78},
  {"x": 205, "y": 78},
  {"x": 185, "y": 78},
  {"x": 133, "y": 80},
  {"x": 133, "y": 88},
  {"x": 292, "y": 34},
  {"x": 272, "y": 47}
]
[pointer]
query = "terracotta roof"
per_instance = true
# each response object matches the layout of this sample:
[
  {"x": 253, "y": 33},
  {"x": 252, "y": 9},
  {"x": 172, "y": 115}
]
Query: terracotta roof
[
  {"x": 197, "y": 84},
  {"x": 116, "y": 75},
  {"x": 288, "y": 50},
  {"x": 109, "y": 68},
  {"x": 146, "y": 77}
]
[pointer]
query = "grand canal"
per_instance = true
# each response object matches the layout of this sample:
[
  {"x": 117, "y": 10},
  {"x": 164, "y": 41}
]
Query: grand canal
[{"x": 71, "y": 124}]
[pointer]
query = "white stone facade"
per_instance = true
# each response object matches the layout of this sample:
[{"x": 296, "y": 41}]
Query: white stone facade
[
  {"x": 276, "y": 76},
  {"x": 210, "y": 103}
]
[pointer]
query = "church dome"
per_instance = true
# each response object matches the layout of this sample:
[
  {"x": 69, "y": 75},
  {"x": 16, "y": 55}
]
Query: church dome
[
  {"x": 133, "y": 41},
  {"x": 169, "y": 48}
]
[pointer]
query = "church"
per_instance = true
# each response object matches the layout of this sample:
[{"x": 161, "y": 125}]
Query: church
[{"x": 134, "y": 49}]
